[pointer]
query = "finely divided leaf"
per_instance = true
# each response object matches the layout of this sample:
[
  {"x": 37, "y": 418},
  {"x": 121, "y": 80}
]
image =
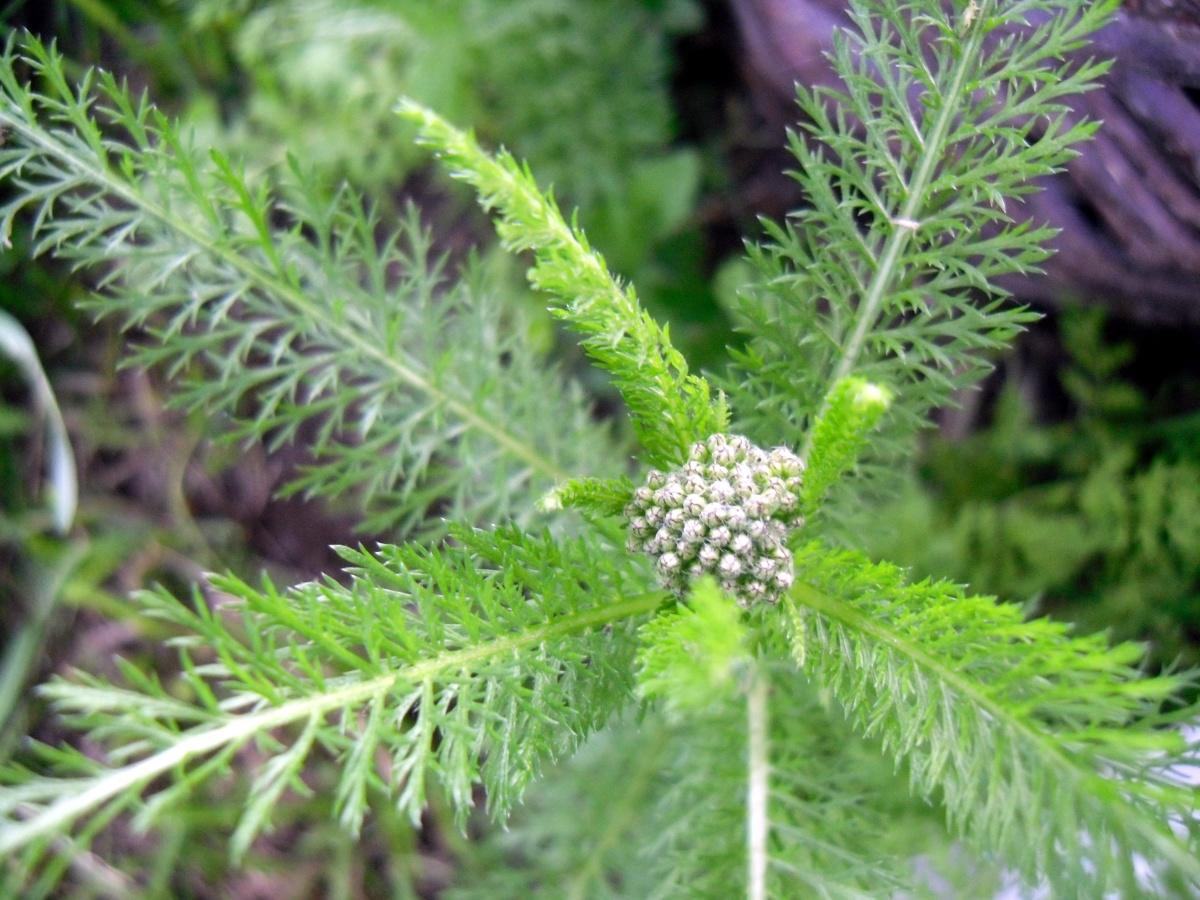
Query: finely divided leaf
[
  {"x": 1046, "y": 749},
  {"x": 469, "y": 665},
  {"x": 671, "y": 408},
  {"x": 291, "y": 312},
  {"x": 947, "y": 114}
]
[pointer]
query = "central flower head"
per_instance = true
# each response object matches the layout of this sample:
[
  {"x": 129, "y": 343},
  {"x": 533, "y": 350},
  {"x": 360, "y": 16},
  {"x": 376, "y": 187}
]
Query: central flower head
[{"x": 725, "y": 512}]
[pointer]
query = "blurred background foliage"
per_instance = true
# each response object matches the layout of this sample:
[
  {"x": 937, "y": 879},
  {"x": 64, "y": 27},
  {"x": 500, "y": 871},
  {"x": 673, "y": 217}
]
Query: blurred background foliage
[{"x": 1071, "y": 482}]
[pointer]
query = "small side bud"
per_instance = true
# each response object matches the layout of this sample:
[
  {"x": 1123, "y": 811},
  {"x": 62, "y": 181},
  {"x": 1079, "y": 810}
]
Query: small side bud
[{"x": 852, "y": 410}]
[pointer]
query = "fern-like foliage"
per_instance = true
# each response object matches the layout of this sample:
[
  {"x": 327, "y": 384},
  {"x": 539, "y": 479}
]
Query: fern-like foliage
[
  {"x": 690, "y": 654},
  {"x": 671, "y": 408},
  {"x": 840, "y": 435},
  {"x": 1098, "y": 518},
  {"x": 947, "y": 114},
  {"x": 1044, "y": 748},
  {"x": 285, "y": 311},
  {"x": 470, "y": 664}
]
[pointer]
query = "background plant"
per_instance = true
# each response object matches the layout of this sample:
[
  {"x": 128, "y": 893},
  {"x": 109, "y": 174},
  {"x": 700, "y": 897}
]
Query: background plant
[
  {"x": 1087, "y": 516},
  {"x": 477, "y": 660}
]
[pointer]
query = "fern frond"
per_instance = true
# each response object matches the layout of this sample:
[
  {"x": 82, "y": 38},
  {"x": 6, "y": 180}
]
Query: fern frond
[
  {"x": 468, "y": 665},
  {"x": 1045, "y": 749},
  {"x": 949, "y": 112},
  {"x": 671, "y": 408},
  {"x": 286, "y": 312}
]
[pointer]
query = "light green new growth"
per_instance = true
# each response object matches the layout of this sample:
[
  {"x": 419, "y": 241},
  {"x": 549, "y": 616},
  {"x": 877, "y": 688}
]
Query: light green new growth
[
  {"x": 670, "y": 407},
  {"x": 599, "y": 496},
  {"x": 689, "y": 656},
  {"x": 839, "y": 436}
]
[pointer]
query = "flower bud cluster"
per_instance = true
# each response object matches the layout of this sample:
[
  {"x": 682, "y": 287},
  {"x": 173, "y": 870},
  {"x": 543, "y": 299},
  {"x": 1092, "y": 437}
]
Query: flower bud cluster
[{"x": 726, "y": 512}]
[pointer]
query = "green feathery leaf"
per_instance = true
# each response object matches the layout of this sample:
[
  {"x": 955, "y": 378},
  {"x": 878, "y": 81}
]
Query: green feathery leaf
[
  {"x": 689, "y": 656},
  {"x": 671, "y": 408},
  {"x": 288, "y": 313},
  {"x": 599, "y": 496},
  {"x": 946, "y": 115},
  {"x": 1045, "y": 749},
  {"x": 840, "y": 434},
  {"x": 468, "y": 665}
]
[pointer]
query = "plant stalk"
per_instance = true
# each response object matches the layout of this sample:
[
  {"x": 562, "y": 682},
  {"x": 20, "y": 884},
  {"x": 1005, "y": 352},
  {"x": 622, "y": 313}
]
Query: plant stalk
[{"x": 757, "y": 826}]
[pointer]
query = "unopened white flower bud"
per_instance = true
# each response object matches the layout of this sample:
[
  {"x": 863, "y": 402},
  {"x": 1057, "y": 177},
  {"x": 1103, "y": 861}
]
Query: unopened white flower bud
[
  {"x": 740, "y": 444},
  {"x": 712, "y": 515},
  {"x": 671, "y": 494},
  {"x": 721, "y": 491},
  {"x": 764, "y": 567},
  {"x": 725, "y": 512}
]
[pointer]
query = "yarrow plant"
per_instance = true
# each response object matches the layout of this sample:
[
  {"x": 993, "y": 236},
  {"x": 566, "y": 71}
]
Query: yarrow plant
[{"x": 767, "y": 660}]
